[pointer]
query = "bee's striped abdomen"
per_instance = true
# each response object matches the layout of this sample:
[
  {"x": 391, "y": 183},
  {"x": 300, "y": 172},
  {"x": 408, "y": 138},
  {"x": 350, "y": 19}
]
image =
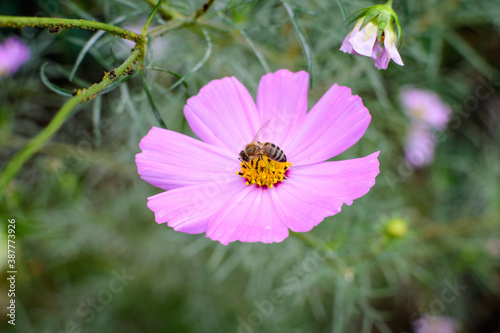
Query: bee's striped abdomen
[{"x": 274, "y": 152}]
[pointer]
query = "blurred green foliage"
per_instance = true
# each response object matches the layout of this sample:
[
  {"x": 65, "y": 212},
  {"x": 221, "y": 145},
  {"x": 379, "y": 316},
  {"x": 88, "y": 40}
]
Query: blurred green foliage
[{"x": 80, "y": 207}]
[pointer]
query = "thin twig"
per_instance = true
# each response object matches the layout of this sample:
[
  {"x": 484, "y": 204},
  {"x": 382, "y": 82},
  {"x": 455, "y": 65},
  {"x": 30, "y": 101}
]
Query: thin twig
[
  {"x": 203, "y": 9},
  {"x": 166, "y": 11},
  {"x": 49, "y": 22}
]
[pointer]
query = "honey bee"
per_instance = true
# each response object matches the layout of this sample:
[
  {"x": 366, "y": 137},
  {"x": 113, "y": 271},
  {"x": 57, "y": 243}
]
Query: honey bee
[{"x": 256, "y": 149}]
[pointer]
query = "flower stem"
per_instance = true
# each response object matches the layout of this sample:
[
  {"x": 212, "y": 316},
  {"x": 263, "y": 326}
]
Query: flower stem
[
  {"x": 13, "y": 166},
  {"x": 48, "y": 22},
  {"x": 171, "y": 25},
  {"x": 166, "y": 11},
  {"x": 206, "y": 6},
  {"x": 388, "y": 3},
  {"x": 155, "y": 110},
  {"x": 306, "y": 240},
  {"x": 145, "y": 27}
]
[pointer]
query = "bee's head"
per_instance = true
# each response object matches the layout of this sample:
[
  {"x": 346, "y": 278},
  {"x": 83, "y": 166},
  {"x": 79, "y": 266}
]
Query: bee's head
[{"x": 244, "y": 156}]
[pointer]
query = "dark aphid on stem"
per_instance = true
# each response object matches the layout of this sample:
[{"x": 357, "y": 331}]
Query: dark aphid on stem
[
  {"x": 75, "y": 91},
  {"x": 112, "y": 75},
  {"x": 54, "y": 29},
  {"x": 130, "y": 71}
]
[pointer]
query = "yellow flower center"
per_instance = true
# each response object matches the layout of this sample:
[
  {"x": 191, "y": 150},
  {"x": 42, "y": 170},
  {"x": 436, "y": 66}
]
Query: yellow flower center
[
  {"x": 263, "y": 171},
  {"x": 419, "y": 113}
]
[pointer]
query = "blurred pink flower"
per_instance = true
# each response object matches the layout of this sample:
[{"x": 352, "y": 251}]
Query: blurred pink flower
[
  {"x": 428, "y": 114},
  {"x": 13, "y": 54},
  {"x": 419, "y": 146},
  {"x": 206, "y": 193},
  {"x": 363, "y": 42},
  {"x": 425, "y": 107},
  {"x": 435, "y": 324}
]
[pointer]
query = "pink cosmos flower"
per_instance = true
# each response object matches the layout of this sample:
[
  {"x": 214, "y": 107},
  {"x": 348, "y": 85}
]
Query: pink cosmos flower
[
  {"x": 428, "y": 114},
  {"x": 425, "y": 107},
  {"x": 13, "y": 54},
  {"x": 419, "y": 146},
  {"x": 364, "y": 42},
  {"x": 209, "y": 190}
]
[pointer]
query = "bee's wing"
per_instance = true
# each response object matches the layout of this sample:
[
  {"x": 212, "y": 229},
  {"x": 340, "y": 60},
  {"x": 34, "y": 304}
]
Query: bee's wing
[{"x": 259, "y": 133}]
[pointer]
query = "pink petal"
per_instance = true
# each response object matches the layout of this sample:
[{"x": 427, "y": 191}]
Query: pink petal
[
  {"x": 347, "y": 46},
  {"x": 189, "y": 208},
  {"x": 248, "y": 217},
  {"x": 334, "y": 124},
  {"x": 311, "y": 193},
  {"x": 282, "y": 98},
  {"x": 383, "y": 59},
  {"x": 314, "y": 192},
  {"x": 393, "y": 51},
  {"x": 390, "y": 46},
  {"x": 301, "y": 208},
  {"x": 224, "y": 114},
  {"x": 363, "y": 40},
  {"x": 377, "y": 49},
  {"x": 344, "y": 180},
  {"x": 170, "y": 160}
]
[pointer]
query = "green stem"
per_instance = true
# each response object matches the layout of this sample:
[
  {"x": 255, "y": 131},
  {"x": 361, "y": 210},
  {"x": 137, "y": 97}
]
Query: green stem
[
  {"x": 145, "y": 27},
  {"x": 306, "y": 240},
  {"x": 13, "y": 166},
  {"x": 171, "y": 25},
  {"x": 203, "y": 9},
  {"x": 389, "y": 3},
  {"x": 49, "y": 22},
  {"x": 155, "y": 110},
  {"x": 181, "y": 22},
  {"x": 166, "y": 11}
]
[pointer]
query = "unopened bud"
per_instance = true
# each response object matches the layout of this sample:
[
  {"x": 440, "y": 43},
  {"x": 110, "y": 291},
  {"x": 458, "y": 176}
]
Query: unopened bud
[{"x": 396, "y": 227}]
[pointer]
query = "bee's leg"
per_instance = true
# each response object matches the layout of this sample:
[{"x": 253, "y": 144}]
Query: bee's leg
[
  {"x": 245, "y": 163},
  {"x": 263, "y": 162}
]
